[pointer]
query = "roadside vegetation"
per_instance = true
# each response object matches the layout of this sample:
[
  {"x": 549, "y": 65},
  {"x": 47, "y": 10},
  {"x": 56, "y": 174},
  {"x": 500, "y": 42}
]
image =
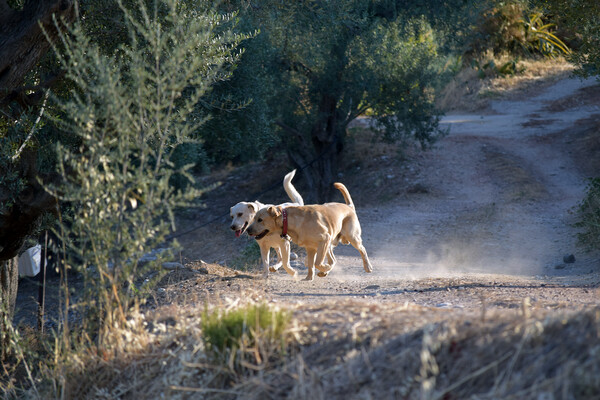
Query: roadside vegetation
[{"x": 145, "y": 96}]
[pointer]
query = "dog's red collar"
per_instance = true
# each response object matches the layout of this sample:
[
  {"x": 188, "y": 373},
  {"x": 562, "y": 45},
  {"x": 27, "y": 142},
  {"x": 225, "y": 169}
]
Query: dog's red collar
[{"x": 285, "y": 222}]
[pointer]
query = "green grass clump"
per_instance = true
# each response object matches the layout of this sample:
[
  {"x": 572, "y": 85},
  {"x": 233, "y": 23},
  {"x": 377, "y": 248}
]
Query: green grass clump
[{"x": 242, "y": 328}]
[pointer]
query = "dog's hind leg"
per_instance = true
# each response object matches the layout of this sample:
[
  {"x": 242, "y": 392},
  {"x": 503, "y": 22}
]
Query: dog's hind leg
[
  {"x": 351, "y": 233},
  {"x": 310, "y": 264},
  {"x": 356, "y": 242},
  {"x": 274, "y": 268}
]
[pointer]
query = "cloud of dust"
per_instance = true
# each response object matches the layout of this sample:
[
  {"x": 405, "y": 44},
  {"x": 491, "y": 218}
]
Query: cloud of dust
[{"x": 512, "y": 242}]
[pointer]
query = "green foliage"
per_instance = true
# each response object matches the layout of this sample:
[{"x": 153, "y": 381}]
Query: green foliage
[
  {"x": 132, "y": 111},
  {"x": 539, "y": 38},
  {"x": 243, "y": 328},
  {"x": 581, "y": 17},
  {"x": 240, "y": 129},
  {"x": 513, "y": 27},
  {"x": 400, "y": 58},
  {"x": 14, "y": 142},
  {"x": 330, "y": 62},
  {"x": 589, "y": 216}
]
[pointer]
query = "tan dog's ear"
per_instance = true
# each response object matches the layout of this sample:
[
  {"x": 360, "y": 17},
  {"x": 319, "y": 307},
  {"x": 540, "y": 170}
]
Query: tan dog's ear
[{"x": 273, "y": 211}]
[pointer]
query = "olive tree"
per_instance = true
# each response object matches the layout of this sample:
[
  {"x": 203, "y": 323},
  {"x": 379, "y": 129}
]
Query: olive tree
[
  {"x": 131, "y": 110},
  {"x": 334, "y": 61}
]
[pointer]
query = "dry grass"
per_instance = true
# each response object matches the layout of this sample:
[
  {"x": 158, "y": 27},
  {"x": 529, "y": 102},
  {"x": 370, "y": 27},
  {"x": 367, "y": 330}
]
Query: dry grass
[
  {"x": 468, "y": 92},
  {"x": 346, "y": 349}
]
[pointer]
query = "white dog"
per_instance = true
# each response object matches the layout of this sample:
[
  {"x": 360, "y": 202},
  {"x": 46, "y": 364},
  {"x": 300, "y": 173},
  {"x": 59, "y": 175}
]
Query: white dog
[{"x": 242, "y": 216}]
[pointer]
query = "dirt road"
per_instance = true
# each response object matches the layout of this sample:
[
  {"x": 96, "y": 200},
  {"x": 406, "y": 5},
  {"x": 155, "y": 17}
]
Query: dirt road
[
  {"x": 493, "y": 222},
  {"x": 488, "y": 224}
]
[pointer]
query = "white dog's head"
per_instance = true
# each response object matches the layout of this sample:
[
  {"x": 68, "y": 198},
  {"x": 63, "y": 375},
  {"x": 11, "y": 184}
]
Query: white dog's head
[{"x": 242, "y": 215}]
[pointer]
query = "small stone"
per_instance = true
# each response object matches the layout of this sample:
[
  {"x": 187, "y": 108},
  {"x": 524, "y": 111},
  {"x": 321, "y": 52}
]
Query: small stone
[
  {"x": 559, "y": 266},
  {"x": 569, "y": 258},
  {"x": 172, "y": 265}
]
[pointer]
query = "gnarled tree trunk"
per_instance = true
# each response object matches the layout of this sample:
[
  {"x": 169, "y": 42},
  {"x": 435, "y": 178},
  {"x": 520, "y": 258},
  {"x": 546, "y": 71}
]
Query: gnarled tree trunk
[
  {"x": 319, "y": 157},
  {"x": 9, "y": 280},
  {"x": 22, "y": 45},
  {"x": 22, "y": 42}
]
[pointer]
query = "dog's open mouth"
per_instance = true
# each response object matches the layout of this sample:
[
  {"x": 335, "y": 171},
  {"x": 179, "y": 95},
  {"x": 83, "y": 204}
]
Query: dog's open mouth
[
  {"x": 261, "y": 235},
  {"x": 239, "y": 232}
]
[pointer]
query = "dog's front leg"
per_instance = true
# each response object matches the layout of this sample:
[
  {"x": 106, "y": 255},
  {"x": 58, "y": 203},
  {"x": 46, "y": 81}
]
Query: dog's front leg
[
  {"x": 284, "y": 256},
  {"x": 265, "y": 250}
]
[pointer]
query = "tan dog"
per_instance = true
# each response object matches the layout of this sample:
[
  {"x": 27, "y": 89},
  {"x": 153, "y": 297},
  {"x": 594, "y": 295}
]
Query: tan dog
[
  {"x": 242, "y": 215},
  {"x": 318, "y": 228}
]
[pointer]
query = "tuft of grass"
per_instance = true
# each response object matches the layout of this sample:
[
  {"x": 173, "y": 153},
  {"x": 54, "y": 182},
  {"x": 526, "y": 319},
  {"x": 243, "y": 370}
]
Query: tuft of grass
[
  {"x": 242, "y": 327},
  {"x": 247, "y": 338}
]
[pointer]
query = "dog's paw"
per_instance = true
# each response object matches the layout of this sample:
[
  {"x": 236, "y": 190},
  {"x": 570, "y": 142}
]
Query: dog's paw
[
  {"x": 293, "y": 273},
  {"x": 308, "y": 278},
  {"x": 274, "y": 268},
  {"x": 322, "y": 274}
]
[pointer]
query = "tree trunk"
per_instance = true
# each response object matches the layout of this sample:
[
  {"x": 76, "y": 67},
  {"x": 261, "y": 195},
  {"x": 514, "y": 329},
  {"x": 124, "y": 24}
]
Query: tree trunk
[
  {"x": 22, "y": 40},
  {"x": 327, "y": 137},
  {"x": 9, "y": 281},
  {"x": 22, "y": 45}
]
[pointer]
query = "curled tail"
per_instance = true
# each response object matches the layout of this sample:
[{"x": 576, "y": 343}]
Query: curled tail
[
  {"x": 291, "y": 190},
  {"x": 345, "y": 193}
]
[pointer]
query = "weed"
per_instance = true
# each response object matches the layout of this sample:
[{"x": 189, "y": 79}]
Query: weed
[{"x": 245, "y": 334}]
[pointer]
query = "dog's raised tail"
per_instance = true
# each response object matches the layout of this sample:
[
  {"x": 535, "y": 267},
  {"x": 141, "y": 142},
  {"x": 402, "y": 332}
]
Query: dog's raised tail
[
  {"x": 345, "y": 193},
  {"x": 290, "y": 189}
]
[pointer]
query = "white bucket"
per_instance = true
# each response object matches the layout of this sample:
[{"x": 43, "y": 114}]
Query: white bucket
[{"x": 29, "y": 262}]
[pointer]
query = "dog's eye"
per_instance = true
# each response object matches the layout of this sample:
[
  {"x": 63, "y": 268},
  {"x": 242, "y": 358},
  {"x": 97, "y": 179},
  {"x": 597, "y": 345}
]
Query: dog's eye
[
  {"x": 260, "y": 220},
  {"x": 239, "y": 214}
]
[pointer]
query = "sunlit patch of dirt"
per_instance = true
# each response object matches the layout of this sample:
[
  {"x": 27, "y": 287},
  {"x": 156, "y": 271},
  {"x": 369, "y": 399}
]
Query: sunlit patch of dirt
[
  {"x": 519, "y": 180},
  {"x": 470, "y": 92}
]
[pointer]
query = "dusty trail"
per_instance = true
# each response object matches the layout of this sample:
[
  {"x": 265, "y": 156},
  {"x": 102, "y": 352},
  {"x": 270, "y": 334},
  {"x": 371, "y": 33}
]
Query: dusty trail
[{"x": 495, "y": 223}]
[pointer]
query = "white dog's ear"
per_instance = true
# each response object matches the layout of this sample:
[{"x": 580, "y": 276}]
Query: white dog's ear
[
  {"x": 251, "y": 207},
  {"x": 273, "y": 211}
]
